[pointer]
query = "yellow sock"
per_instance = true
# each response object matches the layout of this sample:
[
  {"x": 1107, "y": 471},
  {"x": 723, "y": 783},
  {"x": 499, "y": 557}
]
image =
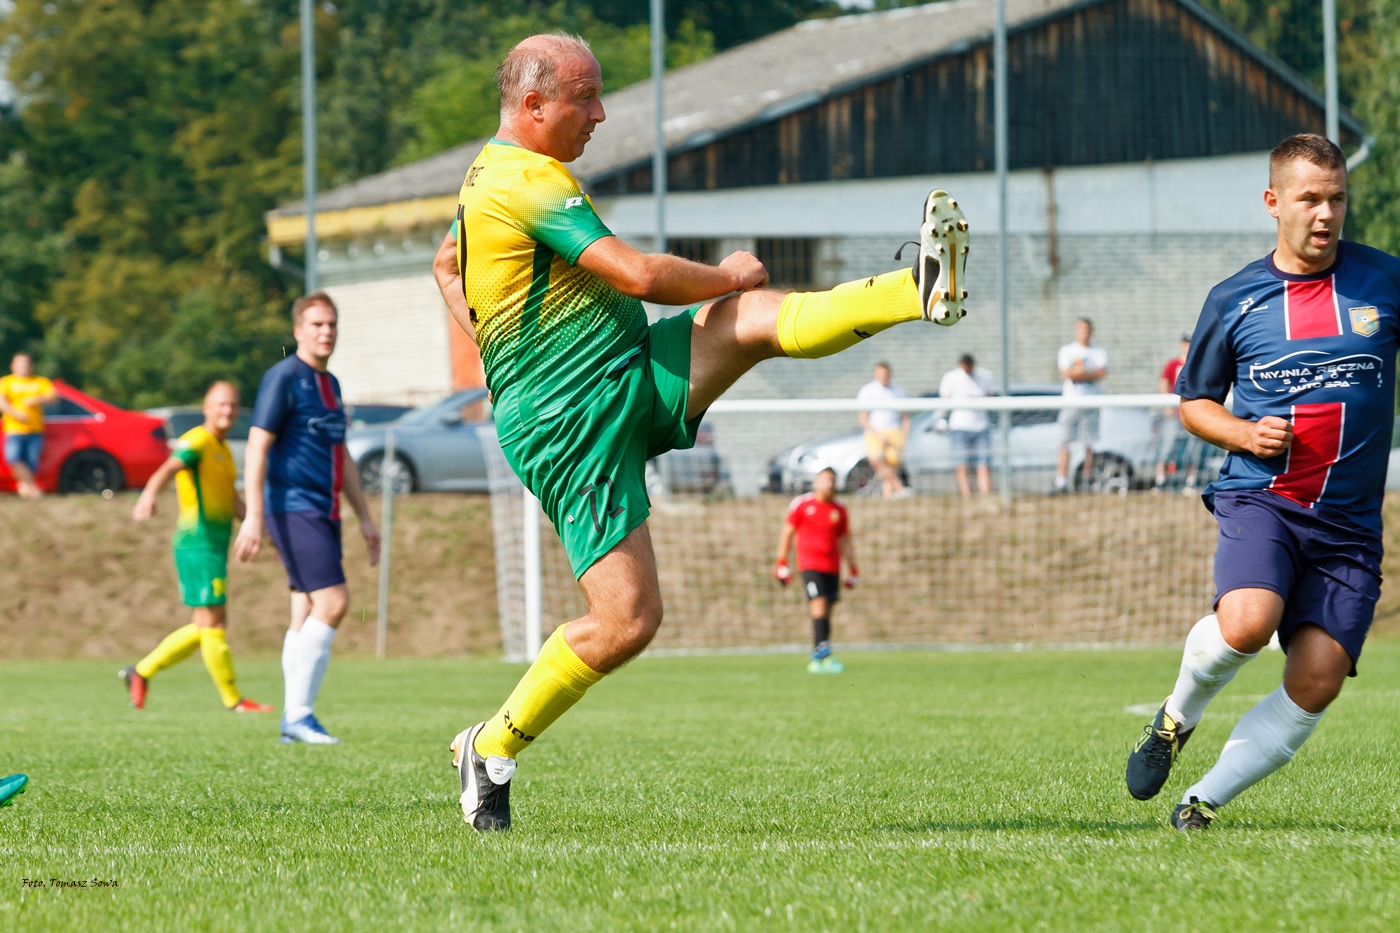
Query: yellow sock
[
  {"x": 213, "y": 644},
  {"x": 173, "y": 649},
  {"x": 556, "y": 681},
  {"x": 814, "y": 324}
]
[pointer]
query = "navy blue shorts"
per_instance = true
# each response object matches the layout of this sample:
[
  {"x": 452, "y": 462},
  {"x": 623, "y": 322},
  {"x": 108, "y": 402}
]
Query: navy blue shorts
[
  {"x": 309, "y": 544},
  {"x": 1328, "y": 573}
]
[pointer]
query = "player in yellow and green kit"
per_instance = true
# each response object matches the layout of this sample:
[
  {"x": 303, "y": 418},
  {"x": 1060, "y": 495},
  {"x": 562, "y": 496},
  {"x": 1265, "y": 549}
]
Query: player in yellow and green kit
[
  {"x": 585, "y": 391},
  {"x": 204, "y": 473}
]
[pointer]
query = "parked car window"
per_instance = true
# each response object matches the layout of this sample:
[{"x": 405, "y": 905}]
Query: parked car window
[
  {"x": 181, "y": 421},
  {"x": 65, "y": 408},
  {"x": 239, "y": 431},
  {"x": 456, "y": 403}
]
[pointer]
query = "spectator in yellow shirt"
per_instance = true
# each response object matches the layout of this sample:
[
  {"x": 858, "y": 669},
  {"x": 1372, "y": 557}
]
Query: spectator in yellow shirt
[{"x": 23, "y": 396}]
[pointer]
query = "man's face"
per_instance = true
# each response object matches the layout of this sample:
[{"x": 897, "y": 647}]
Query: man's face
[
  {"x": 1083, "y": 332},
  {"x": 1310, "y": 204},
  {"x": 1185, "y": 348},
  {"x": 882, "y": 375},
  {"x": 966, "y": 367},
  {"x": 315, "y": 335},
  {"x": 824, "y": 485},
  {"x": 568, "y": 122},
  {"x": 22, "y": 365},
  {"x": 221, "y": 409}
]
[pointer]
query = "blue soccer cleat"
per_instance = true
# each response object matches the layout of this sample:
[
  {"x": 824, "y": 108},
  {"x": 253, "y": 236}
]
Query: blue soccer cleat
[
  {"x": 306, "y": 729},
  {"x": 11, "y": 787}
]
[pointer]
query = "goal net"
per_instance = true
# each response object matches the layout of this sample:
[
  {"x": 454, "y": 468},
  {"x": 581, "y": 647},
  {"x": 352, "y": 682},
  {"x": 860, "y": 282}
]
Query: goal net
[{"x": 1123, "y": 557}]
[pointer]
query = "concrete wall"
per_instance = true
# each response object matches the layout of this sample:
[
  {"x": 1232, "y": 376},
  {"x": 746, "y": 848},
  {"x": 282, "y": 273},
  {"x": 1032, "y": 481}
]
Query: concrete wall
[{"x": 394, "y": 345}]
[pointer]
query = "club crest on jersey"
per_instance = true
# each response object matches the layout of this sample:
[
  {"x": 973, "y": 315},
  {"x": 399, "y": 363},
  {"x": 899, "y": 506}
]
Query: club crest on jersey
[{"x": 1364, "y": 321}]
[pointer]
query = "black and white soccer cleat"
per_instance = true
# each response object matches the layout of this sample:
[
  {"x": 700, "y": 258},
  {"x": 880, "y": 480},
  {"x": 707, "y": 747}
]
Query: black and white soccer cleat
[
  {"x": 485, "y": 783},
  {"x": 940, "y": 270},
  {"x": 1151, "y": 760}
]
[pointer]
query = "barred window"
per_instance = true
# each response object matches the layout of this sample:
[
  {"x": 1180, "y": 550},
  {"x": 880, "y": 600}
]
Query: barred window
[
  {"x": 791, "y": 261},
  {"x": 696, "y": 249}
]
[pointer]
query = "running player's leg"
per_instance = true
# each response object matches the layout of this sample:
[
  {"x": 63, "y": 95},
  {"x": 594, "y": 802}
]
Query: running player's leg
[
  {"x": 1271, "y": 733},
  {"x": 819, "y": 608},
  {"x": 173, "y": 649},
  {"x": 212, "y": 622}
]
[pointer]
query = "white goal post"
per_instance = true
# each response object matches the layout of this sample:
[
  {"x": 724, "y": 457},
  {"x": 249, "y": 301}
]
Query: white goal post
[{"x": 1125, "y": 562}]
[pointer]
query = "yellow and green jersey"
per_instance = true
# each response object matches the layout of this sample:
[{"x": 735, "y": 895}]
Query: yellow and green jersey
[
  {"x": 205, "y": 491},
  {"x": 548, "y": 330}
]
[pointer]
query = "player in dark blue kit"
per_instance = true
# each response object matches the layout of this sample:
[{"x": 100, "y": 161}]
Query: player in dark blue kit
[
  {"x": 1307, "y": 338},
  {"x": 295, "y": 469}
]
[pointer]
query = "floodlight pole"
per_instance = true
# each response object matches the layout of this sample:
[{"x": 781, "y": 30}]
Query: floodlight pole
[
  {"x": 308, "y": 138},
  {"x": 1000, "y": 121},
  {"x": 1329, "y": 68},
  {"x": 658, "y": 156}
]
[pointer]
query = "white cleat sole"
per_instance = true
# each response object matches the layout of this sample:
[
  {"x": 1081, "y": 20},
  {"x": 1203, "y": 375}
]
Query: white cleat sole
[{"x": 943, "y": 243}]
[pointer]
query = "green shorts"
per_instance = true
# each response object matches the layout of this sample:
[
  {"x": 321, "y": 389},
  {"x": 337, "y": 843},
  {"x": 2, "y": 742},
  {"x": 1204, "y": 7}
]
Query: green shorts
[
  {"x": 203, "y": 575},
  {"x": 587, "y": 464}
]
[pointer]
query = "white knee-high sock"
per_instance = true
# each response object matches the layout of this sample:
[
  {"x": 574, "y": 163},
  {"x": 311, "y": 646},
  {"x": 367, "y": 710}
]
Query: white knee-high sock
[
  {"x": 316, "y": 637},
  {"x": 1207, "y": 665},
  {"x": 1262, "y": 742},
  {"x": 296, "y": 676}
]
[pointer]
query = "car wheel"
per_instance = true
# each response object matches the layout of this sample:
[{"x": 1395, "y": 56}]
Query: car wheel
[
  {"x": 372, "y": 470},
  {"x": 90, "y": 471},
  {"x": 861, "y": 479},
  {"x": 1111, "y": 474}
]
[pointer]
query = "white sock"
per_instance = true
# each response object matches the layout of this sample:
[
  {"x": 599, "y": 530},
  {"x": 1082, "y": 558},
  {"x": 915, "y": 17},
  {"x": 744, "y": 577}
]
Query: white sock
[
  {"x": 316, "y": 637},
  {"x": 1207, "y": 665},
  {"x": 294, "y": 697},
  {"x": 1262, "y": 742},
  {"x": 1061, "y": 482}
]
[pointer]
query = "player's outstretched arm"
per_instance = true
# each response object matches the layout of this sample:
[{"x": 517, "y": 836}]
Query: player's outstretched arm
[
  {"x": 449, "y": 281},
  {"x": 670, "y": 280},
  {"x": 250, "y": 533},
  {"x": 1211, "y": 421},
  {"x": 356, "y": 495},
  {"x": 146, "y": 502}
]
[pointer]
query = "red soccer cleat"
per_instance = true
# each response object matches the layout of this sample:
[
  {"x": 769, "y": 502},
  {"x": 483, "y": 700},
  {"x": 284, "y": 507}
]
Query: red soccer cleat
[
  {"x": 135, "y": 686},
  {"x": 246, "y": 705}
]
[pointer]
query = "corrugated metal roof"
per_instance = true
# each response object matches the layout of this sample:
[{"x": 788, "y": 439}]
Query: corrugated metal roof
[
  {"x": 750, "y": 83},
  {"x": 758, "y": 82}
]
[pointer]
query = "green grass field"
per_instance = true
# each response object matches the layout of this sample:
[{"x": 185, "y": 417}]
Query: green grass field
[{"x": 917, "y": 791}]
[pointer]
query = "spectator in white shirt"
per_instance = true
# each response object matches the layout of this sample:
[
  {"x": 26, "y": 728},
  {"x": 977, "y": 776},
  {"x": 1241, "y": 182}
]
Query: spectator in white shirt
[
  {"x": 1084, "y": 366},
  {"x": 886, "y": 430},
  {"x": 969, "y": 430}
]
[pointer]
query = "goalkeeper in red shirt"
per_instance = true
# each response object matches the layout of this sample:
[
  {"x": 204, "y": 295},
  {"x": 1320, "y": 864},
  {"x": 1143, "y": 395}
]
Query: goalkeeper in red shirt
[{"x": 821, "y": 528}]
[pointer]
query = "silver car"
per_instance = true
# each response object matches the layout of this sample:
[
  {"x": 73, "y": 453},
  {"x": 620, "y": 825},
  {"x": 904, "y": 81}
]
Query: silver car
[
  {"x": 438, "y": 449},
  {"x": 1125, "y": 455}
]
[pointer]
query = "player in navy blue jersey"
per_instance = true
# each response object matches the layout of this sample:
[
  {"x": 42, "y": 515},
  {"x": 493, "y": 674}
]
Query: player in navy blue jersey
[
  {"x": 1306, "y": 337},
  {"x": 295, "y": 469}
]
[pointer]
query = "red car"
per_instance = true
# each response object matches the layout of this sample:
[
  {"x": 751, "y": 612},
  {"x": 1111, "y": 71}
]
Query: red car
[{"x": 91, "y": 446}]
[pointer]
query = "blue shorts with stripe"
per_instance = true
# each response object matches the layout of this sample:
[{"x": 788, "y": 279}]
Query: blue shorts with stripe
[
  {"x": 309, "y": 545},
  {"x": 1328, "y": 572}
]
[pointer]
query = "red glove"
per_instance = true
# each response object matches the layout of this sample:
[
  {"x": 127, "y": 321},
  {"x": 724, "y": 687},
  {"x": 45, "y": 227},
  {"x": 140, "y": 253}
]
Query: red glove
[
  {"x": 851, "y": 578},
  {"x": 781, "y": 573}
]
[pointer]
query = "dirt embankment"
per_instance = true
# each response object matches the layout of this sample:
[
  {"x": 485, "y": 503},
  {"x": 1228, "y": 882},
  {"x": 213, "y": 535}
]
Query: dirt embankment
[{"x": 79, "y": 578}]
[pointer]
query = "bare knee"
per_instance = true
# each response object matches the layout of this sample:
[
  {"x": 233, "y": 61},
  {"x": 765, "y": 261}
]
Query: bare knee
[
  {"x": 210, "y": 616},
  {"x": 1316, "y": 670},
  {"x": 819, "y": 607},
  {"x": 1248, "y": 618},
  {"x": 329, "y": 605}
]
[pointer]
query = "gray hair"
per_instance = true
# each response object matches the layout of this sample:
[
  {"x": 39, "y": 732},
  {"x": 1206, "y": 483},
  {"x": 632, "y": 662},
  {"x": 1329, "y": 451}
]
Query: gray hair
[{"x": 533, "y": 66}]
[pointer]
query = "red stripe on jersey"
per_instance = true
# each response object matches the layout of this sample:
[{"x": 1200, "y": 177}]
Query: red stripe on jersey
[
  {"x": 1310, "y": 310},
  {"x": 1317, "y": 445},
  {"x": 337, "y": 478},
  {"x": 323, "y": 383}
]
